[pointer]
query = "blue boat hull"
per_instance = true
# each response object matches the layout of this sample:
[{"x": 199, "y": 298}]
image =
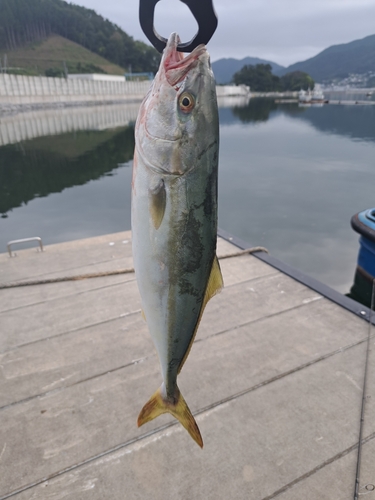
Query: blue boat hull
[{"x": 364, "y": 224}]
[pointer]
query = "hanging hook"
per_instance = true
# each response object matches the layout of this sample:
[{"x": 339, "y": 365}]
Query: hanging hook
[{"x": 202, "y": 10}]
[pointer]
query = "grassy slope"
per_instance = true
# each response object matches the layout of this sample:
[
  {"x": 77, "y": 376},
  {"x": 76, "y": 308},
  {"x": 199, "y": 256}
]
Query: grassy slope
[{"x": 51, "y": 53}]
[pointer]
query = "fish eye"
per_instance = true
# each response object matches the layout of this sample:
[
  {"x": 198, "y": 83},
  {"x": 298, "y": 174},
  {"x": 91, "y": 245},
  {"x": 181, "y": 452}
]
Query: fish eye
[{"x": 186, "y": 102}]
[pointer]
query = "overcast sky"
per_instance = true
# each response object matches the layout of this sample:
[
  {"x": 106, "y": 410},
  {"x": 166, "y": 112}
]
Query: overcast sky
[{"x": 282, "y": 31}]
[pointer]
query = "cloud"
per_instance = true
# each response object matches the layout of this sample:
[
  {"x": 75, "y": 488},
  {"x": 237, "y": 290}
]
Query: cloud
[{"x": 284, "y": 31}]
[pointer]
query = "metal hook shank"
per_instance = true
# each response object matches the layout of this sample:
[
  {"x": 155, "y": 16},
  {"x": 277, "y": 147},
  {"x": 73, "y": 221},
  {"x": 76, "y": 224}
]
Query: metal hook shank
[{"x": 202, "y": 10}]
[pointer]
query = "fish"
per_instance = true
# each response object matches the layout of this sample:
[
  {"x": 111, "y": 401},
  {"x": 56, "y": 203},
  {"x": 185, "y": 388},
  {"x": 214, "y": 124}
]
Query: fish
[{"x": 174, "y": 216}]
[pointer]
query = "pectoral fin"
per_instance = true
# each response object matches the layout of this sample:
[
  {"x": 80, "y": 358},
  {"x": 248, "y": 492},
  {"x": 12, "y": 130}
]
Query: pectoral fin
[{"x": 157, "y": 201}]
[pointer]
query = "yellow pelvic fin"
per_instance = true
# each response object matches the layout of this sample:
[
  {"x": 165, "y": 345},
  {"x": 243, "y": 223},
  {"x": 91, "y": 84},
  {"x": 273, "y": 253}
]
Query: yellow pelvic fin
[
  {"x": 157, "y": 200},
  {"x": 156, "y": 406},
  {"x": 214, "y": 286}
]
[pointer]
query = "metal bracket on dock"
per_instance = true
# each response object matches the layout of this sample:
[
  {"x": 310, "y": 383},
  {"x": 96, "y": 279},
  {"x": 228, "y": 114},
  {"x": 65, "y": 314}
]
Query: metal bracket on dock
[{"x": 24, "y": 240}]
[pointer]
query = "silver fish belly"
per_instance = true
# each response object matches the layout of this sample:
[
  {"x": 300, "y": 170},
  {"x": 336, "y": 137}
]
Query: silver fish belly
[{"x": 174, "y": 216}]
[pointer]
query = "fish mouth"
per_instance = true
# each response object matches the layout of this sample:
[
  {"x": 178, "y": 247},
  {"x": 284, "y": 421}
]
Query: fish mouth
[{"x": 175, "y": 65}]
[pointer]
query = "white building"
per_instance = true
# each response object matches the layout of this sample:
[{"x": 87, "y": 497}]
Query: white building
[
  {"x": 232, "y": 90},
  {"x": 99, "y": 77}
]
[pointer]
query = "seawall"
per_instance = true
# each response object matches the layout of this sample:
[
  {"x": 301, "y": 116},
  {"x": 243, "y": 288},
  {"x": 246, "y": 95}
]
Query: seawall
[
  {"x": 21, "y": 93},
  {"x": 31, "y": 92}
]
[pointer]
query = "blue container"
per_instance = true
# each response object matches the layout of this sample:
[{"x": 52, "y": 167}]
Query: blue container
[{"x": 364, "y": 224}]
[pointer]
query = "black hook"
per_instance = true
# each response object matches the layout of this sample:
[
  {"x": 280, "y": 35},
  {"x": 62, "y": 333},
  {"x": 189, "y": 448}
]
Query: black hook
[{"x": 202, "y": 10}]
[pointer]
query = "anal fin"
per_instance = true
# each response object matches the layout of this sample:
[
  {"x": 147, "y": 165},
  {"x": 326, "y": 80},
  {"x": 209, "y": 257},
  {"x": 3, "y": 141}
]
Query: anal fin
[
  {"x": 215, "y": 282},
  {"x": 143, "y": 316}
]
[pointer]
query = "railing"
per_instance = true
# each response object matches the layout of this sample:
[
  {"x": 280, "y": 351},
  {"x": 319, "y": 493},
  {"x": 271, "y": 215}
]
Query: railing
[{"x": 24, "y": 240}]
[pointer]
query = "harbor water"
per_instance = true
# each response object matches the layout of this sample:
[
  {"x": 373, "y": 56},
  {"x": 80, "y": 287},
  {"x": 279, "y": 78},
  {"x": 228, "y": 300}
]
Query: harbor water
[{"x": 290, "y": 178}]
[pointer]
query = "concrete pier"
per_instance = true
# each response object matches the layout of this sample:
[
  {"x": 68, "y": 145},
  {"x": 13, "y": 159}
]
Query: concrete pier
[
  {"x": 274, "y": 378},
  {"x": 17, "y": 91}
]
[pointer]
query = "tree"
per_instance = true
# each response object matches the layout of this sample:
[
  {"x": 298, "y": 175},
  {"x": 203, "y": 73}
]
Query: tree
[
  {"x": 259, "y": 78},
  {"x": 24, "y": 21},
  {"x": 296, "y": 80}
]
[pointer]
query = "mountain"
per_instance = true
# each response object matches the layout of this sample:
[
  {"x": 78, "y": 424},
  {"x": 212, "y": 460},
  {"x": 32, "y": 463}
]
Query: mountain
[
  {"x": 225, "y": 68},
  {"x": 49, "y": 55},
  {"x": 338, "y": 61},
  {"x": 24, "y": 22}
]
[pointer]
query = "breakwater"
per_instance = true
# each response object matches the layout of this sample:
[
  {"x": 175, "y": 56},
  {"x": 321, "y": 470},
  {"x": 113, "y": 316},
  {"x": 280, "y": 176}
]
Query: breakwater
[
  {"x": 18, "y": 91},
  {"x": 22, "y": 93}
]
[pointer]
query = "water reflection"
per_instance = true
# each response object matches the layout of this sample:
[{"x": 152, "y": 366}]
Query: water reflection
[
  {"x": 39, "y": 167},
  {"x": 291, "y": 178},
  {"x": 258, "y": 110},
  {"x": 41, "y": 123},
  {"x": 354, "y": 121}
]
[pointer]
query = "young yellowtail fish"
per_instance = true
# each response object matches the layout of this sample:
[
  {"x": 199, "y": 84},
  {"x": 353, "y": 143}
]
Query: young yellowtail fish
[{"x": 174, "y": 215}]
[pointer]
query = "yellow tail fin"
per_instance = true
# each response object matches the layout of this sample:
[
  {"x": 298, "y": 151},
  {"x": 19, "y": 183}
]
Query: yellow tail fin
[{"x": 157, "y": 405}]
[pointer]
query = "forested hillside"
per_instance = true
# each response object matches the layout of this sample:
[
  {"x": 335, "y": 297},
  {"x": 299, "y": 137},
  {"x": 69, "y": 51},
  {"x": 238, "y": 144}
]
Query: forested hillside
[
  {"x": 25, "y": 21},
  {"x": 224, "y": 69},
  {"x": 338, "y": 61}
]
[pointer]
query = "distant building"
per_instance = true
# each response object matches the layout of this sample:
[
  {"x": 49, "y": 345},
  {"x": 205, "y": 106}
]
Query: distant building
[
  {"x": 139, "y": 76},
  {"x": 232, "y": 90},
  {"x": 98, "y": 77}
]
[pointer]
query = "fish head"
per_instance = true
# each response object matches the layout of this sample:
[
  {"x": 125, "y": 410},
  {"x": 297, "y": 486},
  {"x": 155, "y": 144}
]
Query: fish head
[{"x": 178, "y": 119}]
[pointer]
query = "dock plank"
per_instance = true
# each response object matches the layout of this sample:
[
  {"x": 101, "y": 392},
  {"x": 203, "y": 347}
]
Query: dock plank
[
  {"x": 275, "y": 378},
  {"x": 367, "y": 475},
  {"x": 66, "y": 257},
  {"x": 275, "y": 292},
  {"x": 65, "y": 360},
  {"x": 47, "y": 319},
  {"x": 14, "y": 298},
  {"x": 103, "y": 411},
  {"x": 75, "y": 257},
  {"x": 24, "y": 296},
  {"x": 287, "y": 428}
]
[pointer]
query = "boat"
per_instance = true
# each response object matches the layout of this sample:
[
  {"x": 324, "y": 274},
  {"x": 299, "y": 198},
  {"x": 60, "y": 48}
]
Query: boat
[
  {"x": 317, "y": 95},
  {"x": 364, "y": 224},
  {"x": 304, "y": 97}
]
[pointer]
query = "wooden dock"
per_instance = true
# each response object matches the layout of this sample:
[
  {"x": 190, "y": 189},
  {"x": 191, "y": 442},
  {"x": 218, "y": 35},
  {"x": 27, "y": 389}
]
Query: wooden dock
[{"x": 275, "y": 379}]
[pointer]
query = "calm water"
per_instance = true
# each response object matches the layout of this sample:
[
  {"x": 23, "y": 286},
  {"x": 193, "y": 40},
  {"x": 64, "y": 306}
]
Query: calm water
[{"x": 290, "y": 179}]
